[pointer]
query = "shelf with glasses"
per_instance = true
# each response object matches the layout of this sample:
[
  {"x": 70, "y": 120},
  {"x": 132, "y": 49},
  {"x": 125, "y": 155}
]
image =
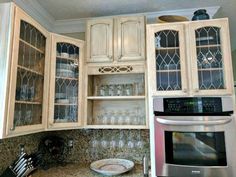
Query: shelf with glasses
[
  {"x": 31, "y": 46},
  {"x": 67, "y": 58},
  {"x": 208, "y": 46},
  {"x": 168, "y": 71},
  {"x": 30, "y": 70},
  {"x": 28, "y": 102},
  {"x": 210, "y": 69},
  {"x": 167, "y": 48},
  {"x": 67, "y": 78},
  {"x": 116, "y": 97}
]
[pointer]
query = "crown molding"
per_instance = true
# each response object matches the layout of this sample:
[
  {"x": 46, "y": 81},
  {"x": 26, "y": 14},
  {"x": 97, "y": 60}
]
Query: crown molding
[
  {"x": 34, "y": 9},
  {"x": 79, "y": 25}
]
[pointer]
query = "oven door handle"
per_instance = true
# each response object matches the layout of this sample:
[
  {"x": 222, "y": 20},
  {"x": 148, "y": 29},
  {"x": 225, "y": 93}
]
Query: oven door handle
[{"x": 191, "y": 122}]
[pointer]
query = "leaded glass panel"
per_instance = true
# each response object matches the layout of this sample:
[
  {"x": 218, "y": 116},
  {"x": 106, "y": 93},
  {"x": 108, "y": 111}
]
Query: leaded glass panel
[
  {"x": 209, "y": 58},
  {"x": 30, "y": 76},
  {"x": 168, "y": 69},
  {"x": 66, "y": 83}
]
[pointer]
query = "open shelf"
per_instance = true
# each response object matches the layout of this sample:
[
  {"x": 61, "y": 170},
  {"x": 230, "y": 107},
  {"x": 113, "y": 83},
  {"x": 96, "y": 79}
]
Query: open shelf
[{"x": 116, "y": 97}]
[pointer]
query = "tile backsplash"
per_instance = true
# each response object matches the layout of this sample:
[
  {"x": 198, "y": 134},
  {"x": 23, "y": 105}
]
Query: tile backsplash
[{"x": 88, "y": 145}]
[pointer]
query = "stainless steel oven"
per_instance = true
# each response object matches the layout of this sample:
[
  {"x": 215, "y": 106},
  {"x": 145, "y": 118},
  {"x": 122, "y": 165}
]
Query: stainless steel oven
[{"x": 195, "y": 136}]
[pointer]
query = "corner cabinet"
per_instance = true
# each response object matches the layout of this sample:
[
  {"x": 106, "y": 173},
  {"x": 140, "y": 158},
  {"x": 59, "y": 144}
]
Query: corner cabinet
[
  {"x": 65, "y": 98},
  {"x": 190, "y": 58},
  {"x": 29, "y": 76},
  {"x": 116, "y": 39}
]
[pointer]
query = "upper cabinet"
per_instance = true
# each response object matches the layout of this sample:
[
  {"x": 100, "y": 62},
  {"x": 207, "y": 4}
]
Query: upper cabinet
[
  {"x": 118, "y": 39},
  {"x": 65, "y": 86},
  {"x": 191, "y": 58},
  {"x": 29, "y": 76}
]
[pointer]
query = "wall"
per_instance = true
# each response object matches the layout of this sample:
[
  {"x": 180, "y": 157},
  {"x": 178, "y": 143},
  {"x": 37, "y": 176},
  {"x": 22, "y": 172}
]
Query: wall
[
  {"x": 83, "y": 150},
  {"x": 79, "y": 35}
]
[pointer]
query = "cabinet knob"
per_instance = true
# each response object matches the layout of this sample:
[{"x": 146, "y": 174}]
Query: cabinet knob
[{"x": 12, "y": 128}]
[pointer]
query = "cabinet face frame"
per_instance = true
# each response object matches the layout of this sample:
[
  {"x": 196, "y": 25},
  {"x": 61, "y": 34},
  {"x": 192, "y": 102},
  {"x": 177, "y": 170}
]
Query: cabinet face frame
[
  {"x": 151, "y": 57},
  {"x": 63, "y": 39},
  {"x": 126, "y": 27},
  {"x": 10, "y": 130},
  {"x": 106, "y": 26},
  {"x": 226, "y": 56}
]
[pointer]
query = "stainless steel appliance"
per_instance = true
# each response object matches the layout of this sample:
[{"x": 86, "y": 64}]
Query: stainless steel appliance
[{"x": 195, "y": 137}]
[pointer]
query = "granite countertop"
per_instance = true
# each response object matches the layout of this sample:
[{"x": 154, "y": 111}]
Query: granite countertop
[{"x": 82, "y": 170}]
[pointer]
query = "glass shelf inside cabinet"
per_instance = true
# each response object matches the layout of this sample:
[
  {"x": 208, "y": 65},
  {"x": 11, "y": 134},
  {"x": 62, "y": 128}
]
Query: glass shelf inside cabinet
[
  {"x": 168, "y": 69},
  {"x": 122, "y": 86},
  {"x": 30, "y": 76},
  {"x": 209, "y": 58},
  {"x": 66, "y": 83}
]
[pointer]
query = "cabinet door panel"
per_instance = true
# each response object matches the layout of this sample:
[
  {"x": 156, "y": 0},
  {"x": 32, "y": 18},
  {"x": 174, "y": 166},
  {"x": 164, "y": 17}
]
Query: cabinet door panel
[
  {"x": 100, "y": 39},
  {"x": 66, "y": 73},
  {"x": 130, "y": 38},
  {"x": 29, "y": 77},
  {"x": 211, "y": 58},
  {"x": 166, "y": 59}
]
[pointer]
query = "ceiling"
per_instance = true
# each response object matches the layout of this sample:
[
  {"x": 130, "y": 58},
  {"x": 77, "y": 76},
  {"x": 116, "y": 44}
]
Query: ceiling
[{"x": 77, "y": 9}]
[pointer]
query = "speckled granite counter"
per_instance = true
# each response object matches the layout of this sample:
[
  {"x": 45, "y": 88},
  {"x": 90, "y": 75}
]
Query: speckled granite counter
[{"x": 79, "y": 170}]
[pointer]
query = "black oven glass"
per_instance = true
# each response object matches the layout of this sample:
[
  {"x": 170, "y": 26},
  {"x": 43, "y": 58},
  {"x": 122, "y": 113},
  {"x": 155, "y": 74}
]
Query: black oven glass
[{"x": 195, "y": 148}]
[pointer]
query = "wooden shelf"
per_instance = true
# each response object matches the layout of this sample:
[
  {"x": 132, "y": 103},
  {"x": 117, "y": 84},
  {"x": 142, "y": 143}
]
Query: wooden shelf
[
  {"x": 116, "y": 126},
  {"x": 67, "y": 58},
  {"x": 33, "y": 47},
  {"x": 209, "y": 46},
  {"x": 168, "y": 48},
  {"x": 30, "y": 70},
  {"x": 28, "y": 102},
  {"x": 67, "y": 78},
  {"x": 116, "y": 97},
  {"x": 210, "y": 69},
  {"x": 168, "y": 71}
]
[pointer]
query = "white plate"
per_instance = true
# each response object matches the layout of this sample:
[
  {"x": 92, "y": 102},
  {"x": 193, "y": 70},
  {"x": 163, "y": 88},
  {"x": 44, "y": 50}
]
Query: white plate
[{"x": 112, "y": 167}]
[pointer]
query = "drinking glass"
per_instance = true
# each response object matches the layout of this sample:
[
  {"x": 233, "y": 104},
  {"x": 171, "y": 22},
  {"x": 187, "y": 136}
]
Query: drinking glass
[
  {"x": 105, "y": 118},
  {"x": 130, "y": 143},
  {"x": 112, "y": 117},
  {"x": 119, "y": 90},
  {"x": 121, "y": 142},
  {"x": 102, "y": 90},
  {"x": 139, "y": 142},
  {"x": 111, "y": 90},
  {"x": 120, "y": 117},
  {"x": 127, "y": 117},
  {"x": 104, "y": 142}
]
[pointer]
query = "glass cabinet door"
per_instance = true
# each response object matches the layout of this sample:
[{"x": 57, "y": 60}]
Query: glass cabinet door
[
  {"x": 212, "y": 59},
  {"x": 65, "y": 74},
  {"x": 28, "y": 77},
  {"x": 168, "y": 59}
]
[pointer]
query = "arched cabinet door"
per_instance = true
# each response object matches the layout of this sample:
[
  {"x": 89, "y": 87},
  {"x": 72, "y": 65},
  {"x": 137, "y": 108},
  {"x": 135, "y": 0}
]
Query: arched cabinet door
[
  {"x": 166, "y": 59},
  {"x": 211, "y": 57},
  {"x": 29, "y": 76},
  {"x": 65, "y": 82}
]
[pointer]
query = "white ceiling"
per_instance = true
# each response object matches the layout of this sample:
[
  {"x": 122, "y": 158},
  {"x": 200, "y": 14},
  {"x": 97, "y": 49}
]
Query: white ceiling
[{"x": 61, "y": 10}]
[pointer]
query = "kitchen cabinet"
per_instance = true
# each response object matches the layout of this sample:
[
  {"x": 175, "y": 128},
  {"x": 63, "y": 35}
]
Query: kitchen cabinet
[
  {"x": 116, "y": 96},
  {"x": 116, "y": 39},
  {"x": 190, "y": 58},
  {"x": 29, "y": 76},
  {"x": 65, "y": 98}
]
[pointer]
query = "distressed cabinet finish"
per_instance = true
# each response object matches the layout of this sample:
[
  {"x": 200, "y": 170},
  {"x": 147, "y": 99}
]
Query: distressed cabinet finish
[
  {"x": 100, "y": 40},
  {"x": 116, "y": 39},
  {"x": 65, "y": 86},
  {"x": 190, "y": 58},
  {"x": 29, "y": 76}
]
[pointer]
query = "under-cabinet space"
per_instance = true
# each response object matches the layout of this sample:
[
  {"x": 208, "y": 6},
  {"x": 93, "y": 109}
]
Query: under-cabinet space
[
  {"x": 126, "y": 86},
  {"x": 117, "y": 113}
]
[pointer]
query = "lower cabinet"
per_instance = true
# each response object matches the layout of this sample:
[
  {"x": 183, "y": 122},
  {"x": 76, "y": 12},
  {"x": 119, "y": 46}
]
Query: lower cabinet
[{"x": 116, "y": 97}]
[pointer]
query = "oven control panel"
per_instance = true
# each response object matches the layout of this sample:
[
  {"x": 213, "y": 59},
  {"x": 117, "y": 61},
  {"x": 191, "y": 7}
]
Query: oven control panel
[{"x": 192, "y": 105}]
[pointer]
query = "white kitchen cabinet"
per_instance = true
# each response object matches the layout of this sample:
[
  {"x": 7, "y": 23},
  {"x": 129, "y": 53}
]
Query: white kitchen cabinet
[
  {"x": 190, "y": 58},
  {"x": 65, "y": 99},
  {"x": 116, "y": 39},
  {"x": 28, "y": 76}
]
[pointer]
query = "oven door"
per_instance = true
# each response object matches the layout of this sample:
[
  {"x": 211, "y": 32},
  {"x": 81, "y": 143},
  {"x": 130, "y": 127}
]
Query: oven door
[{"x": 198, "y": 146}]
